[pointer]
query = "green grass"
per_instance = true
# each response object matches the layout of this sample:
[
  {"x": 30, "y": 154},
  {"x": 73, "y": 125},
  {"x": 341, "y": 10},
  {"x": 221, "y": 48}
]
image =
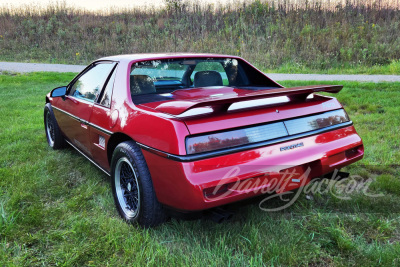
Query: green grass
[
  {"x": 392, "y": 68},
  {"x": 56, "y": 208}
]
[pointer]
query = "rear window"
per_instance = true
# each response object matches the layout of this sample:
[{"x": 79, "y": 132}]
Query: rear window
[
  {"x": 159, "y": 70},
  {"x": 211, "y": 66},
  {"x": 155, "y": 80}
]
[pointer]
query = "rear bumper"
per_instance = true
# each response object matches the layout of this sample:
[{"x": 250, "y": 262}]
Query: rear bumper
[{"x": 220, "y": 180}]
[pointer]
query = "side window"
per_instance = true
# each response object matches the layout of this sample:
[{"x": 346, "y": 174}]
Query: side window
[
  {"x": 211, "y": 66},
  {"x": 89, "y": 85},
  {"x": 106, "y": 96}
]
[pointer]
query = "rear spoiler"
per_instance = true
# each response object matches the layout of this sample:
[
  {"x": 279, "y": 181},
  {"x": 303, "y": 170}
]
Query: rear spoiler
[{"x": 222, "y": 104}]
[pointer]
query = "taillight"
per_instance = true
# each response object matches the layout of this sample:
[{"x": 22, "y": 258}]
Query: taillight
[
  {"x": 315, "y": 122},
  {"x": 204, "y": 143},
  {"x": 254, "y": 134},
  {"x": 353, "y": 152}
]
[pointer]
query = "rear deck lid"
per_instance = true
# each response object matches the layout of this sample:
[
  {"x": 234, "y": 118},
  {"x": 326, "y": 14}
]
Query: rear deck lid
[
  {"x": 215, "y": 109},
  {"x": 221, "y": 98}
]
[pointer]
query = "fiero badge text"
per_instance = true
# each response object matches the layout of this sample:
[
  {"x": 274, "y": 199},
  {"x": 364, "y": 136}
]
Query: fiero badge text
[{"x": 284, "y": 148}]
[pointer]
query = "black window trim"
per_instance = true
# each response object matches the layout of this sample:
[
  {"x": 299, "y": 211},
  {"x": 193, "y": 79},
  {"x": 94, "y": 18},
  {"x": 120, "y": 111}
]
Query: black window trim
[
  {"x": 89, "y": 67},
  {"x": 99, "y": 96}
]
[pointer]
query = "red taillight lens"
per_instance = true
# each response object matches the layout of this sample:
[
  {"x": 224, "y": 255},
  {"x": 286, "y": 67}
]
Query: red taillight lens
[
  {"x": 315, "y": 122},
  {"x": 204, "y": 143},
  {"x": 214, "y": 192},
  {"x": 351, "y": 153},
  {"x": 254, "y": 134}
]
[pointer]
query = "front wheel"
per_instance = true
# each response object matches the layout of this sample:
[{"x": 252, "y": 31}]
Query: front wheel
[
  {"x": 132, "y": 187},
  {"x": 55, "y": 139}
]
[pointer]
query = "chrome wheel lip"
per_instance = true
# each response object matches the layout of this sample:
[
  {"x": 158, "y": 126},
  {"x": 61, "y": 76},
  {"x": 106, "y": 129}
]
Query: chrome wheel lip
[
  {"x": 119, "y": 190},
  {"x": 49, "y": 129}
]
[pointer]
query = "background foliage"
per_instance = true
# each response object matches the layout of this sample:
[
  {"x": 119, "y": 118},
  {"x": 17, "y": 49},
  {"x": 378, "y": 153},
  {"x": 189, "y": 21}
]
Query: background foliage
[{"x": 271, "y": 34}]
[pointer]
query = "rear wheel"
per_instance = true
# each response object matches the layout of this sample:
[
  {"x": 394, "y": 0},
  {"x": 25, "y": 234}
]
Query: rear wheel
[
  {"x": 132, "y": 187},
  {"x": 54, "y": 136}
]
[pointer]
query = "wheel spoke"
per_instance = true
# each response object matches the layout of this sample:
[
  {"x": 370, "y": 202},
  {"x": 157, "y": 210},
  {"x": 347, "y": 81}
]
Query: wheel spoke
[
  {"x": 131, "y": 198},
  {"x": 131, "y": 201},
  {"x": 127, "y": 191},
  {"x": 50, "y": 127}
]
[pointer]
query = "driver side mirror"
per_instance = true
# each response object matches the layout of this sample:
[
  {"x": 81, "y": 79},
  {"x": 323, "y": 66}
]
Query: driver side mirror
[{"x": 59, "y": 91}]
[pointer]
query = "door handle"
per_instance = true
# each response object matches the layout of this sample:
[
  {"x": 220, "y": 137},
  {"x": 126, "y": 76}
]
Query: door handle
[{"x": 84, "y": 123}]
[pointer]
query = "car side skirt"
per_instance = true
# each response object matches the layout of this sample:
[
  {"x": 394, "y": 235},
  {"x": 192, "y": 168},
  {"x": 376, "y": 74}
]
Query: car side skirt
[{"x": 83, "y": 154}]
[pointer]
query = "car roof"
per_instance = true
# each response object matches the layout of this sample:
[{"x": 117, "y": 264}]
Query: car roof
[{"x": 149, "y": 56}]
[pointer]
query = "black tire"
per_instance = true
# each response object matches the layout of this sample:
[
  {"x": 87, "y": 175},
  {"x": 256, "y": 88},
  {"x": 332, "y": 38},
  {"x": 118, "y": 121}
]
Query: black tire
[
  {"x": 55, "y": 139},
  {"x": 132, "y": 187}
]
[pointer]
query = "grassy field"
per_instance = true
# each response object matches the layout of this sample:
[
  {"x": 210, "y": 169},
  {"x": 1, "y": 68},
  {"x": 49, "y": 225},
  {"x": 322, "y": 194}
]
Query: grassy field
[
  {"x": 388, "y": 69},
  {"x": 354, "y": 36},
  {"x": 56, "y": 208}
]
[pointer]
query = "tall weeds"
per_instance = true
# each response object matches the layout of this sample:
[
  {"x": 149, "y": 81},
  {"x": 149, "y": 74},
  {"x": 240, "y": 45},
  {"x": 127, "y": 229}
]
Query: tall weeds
[{"x": 268, "y": 33}]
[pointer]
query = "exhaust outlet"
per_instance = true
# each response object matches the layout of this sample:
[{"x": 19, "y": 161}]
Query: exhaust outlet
[
  {"x": 336, "y": 175},
  {"x": 219, "y": 215}
]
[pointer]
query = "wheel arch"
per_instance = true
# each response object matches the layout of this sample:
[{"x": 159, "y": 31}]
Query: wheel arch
[
  {"x": 114, "y": 141},
  {"x": 151, "y": 211}
]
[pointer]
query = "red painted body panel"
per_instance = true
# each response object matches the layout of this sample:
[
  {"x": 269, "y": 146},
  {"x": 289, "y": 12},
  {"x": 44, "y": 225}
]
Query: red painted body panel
[
  {"x": 77, "y": 132},
  {"x": 181, "y": 185},
  {"x": 263, "y": 114},
  {"x": 101, "y": 116},
  {"x": 158, "y": 132}
]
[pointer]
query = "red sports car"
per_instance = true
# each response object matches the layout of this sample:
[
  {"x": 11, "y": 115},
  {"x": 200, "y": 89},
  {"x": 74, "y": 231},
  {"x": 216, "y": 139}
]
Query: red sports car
[{"x": 191, "y": 132}]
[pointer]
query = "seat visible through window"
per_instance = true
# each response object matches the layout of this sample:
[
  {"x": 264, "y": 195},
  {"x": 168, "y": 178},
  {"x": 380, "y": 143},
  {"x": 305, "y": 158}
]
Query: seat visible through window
[
  {"x": 207, "y": 78},
  {"x": 141, "y": 84}
]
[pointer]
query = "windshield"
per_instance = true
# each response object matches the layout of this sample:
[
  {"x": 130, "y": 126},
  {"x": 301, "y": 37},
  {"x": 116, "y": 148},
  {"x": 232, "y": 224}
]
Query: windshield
[{"x": 154, "y": 80}]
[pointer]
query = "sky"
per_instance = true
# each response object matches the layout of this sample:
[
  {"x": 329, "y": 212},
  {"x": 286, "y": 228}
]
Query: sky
[{"x": 92, "y": 4}]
